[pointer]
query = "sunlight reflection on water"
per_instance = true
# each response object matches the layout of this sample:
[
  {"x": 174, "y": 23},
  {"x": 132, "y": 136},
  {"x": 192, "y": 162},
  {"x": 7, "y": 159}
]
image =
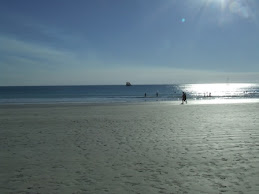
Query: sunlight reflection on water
[{"x": 220, "y": 90}]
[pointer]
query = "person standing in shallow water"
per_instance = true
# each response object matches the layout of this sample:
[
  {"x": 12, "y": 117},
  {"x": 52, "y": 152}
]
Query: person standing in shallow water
[{"x": 184, "y": 99}]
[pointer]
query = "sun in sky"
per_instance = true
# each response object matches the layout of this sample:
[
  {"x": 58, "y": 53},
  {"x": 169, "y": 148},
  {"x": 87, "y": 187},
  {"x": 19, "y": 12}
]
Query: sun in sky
[{"x": 239, "y": 7}]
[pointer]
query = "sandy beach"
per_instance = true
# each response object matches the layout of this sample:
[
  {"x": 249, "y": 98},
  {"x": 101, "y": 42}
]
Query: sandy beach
[{"x": 129, "y": 148}]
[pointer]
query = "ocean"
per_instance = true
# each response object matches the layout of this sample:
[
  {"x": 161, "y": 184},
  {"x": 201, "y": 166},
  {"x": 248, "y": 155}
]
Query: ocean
[{"x": 122, "y": 93}]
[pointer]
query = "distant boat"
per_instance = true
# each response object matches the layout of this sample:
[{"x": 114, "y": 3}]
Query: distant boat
[{"x": 128, "y": 84}]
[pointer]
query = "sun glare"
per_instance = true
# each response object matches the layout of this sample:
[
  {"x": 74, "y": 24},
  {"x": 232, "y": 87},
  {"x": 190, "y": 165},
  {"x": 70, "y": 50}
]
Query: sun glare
[
  {"x": 221, "y": 2},
  {"x": 240, "y": 8}
]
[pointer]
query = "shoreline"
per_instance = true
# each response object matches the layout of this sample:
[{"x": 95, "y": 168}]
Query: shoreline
[{"x": 158, "y": 101}]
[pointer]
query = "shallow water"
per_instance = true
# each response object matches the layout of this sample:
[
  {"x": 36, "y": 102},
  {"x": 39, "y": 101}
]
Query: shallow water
[{"x": 136, "y": 93}]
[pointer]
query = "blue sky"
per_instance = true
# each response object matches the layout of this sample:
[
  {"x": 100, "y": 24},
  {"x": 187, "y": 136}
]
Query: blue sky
[{"x": 85, "y": 42}]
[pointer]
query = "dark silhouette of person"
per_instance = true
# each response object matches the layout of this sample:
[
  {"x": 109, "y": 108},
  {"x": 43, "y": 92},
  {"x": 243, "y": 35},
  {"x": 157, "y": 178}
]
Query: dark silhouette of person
[
  {"x": 156, "y": 94},
  {"x": 184, "y": 98},
  {"x": 145, "y": 95}
]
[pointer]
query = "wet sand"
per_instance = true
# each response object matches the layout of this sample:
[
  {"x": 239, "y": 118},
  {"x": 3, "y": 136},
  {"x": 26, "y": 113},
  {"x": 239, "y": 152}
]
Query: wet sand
[{"x": 129, "y": 148}]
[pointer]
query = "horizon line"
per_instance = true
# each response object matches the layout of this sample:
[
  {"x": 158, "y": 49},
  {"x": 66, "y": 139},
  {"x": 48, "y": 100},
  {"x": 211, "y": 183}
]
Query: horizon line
[{"x": 138, "y": 84}]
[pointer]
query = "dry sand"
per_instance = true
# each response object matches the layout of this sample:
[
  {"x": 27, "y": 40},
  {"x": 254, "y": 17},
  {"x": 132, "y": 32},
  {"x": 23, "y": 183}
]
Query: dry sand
[{"x": 129, "y": 148}]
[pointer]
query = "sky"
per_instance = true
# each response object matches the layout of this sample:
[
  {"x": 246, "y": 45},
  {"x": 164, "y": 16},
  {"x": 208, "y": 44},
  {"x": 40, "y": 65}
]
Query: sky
[{"x": 100, "y": 42}]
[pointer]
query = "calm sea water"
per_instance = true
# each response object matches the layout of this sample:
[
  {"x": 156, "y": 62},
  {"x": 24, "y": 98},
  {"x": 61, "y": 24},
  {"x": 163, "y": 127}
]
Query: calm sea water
[{"x": 135, "y": 93}]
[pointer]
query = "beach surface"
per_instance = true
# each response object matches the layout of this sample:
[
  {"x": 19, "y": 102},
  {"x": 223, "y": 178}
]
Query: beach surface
[{"x": 129, "y": 148}]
